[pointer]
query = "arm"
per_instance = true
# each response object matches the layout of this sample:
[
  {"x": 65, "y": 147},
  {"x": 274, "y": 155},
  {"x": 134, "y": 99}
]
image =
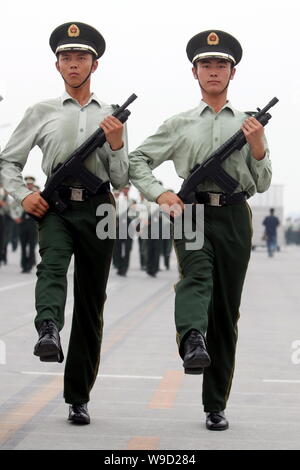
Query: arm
[
  {"x": 14, "y": 157},
  {"x": 154, "y": 151},
  {"x": 117, "y": 153},
  {"x": 259, "y": 161},
  {"x": 254, "y": 133},
  {"x": 150, "y": 154},
  {"x": 261, "y": 170}
]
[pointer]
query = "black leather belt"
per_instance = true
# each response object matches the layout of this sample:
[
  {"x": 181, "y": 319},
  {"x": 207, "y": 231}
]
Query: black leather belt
[
  {"x": 79, "y": 193},
  {"x": 220, "y": 199}
]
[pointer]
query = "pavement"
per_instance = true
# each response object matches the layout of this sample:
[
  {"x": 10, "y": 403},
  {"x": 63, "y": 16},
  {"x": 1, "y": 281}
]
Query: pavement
[{"x": 142, "y": 399}]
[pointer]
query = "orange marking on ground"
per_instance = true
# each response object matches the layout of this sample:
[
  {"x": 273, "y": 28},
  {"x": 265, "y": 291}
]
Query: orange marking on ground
[
  {"x": 166, "y": 393},
  {"x": 143, "y": 443},
  {"x": 24, "y": 412},
  {"x": 12, "y": 421}
]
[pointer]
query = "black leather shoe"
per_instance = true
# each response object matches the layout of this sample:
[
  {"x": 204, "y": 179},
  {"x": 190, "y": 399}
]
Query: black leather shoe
[
  {"x": 48, "y": 347},
  {"x": 195, "y": 355},
  {"x": 216, "y": 421},
  {"x": 79, "y": 414}
]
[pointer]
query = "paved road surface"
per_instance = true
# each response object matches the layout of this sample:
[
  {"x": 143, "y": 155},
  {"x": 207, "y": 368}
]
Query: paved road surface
[{"x": 142, "y": 399}]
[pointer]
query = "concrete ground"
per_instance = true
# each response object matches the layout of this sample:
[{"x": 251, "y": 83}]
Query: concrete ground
[{"x": 142, "y": 399}]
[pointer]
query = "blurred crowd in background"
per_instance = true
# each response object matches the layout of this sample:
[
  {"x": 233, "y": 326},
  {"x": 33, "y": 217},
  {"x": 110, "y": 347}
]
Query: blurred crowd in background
[{"x": 18, "y": 229}]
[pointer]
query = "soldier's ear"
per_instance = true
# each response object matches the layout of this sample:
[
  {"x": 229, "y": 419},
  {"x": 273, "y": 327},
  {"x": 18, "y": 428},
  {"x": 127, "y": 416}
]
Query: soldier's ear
[
  {"x": 194, "y": 70},
  {"x": 95, "y": 65},
  {"x": 232, "y": 73}
]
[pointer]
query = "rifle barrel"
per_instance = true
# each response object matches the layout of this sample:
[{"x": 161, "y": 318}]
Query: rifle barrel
[
  {"x": 124, "y": 105},
  {"x": 267, "y": 107}
]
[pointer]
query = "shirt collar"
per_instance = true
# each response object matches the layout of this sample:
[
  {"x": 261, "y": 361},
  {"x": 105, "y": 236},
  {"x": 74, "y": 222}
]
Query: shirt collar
[
  {"x": 66, "y": 97},
  {"x": 202, "y": 106}
]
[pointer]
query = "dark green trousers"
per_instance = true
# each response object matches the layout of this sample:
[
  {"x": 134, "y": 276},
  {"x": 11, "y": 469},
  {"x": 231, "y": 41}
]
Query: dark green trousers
[
  {"x": 208, "y": 294},
  {"x": 61, "y": 236},
  {"x": 28, "y": 241}
]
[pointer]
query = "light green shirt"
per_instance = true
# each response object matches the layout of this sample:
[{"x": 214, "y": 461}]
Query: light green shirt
[
  {"x": 189, "y": 138},
  {"x": 58, "y": 126}
]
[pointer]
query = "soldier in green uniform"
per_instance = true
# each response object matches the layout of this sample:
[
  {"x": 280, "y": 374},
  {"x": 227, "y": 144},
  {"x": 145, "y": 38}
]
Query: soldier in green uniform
[
  {"x": 143, "y": 213},
  {"x": 123, "y": 243},
  {"x": 2, "y": 212},
  {"x": 208, "y": 293},
  {"x": 2, "y": 221},
  {"x": 166, "y": 243},
  {"x": 28, "y": 234},
  {"x": 58, "y": 126},
  {"x": 116, "y": 194},
  {"x": 153, "y": 242}
]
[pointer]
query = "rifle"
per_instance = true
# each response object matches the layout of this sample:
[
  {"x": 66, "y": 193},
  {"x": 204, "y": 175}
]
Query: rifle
[
  {"x": 211, "y": 167},
  {"x": 73, "y": 165}
]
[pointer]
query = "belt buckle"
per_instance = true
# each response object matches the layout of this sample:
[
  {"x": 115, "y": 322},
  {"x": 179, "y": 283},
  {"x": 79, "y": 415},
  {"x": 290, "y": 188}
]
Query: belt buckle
[
  {"x": 76, "y": 194},
  {"x": 214, "y": 199}
]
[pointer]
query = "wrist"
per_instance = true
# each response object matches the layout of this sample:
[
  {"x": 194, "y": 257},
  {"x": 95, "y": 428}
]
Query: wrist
[
  {"x": 159, "y": 197},
  {"x": 115, "y": 147},
  {"x": 258, "y": 151},
  {"x": 258, "y": 154}
]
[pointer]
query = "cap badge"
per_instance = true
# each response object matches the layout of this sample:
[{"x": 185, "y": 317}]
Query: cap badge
[
  {"x": 73, "y": 31},
  {"x": 213, "y": 39}
]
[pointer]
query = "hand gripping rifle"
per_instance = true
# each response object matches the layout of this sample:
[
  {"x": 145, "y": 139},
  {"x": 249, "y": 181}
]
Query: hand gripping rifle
[
  {"x": 74, "y": 166},
  {"x": 211, "y": 168}
]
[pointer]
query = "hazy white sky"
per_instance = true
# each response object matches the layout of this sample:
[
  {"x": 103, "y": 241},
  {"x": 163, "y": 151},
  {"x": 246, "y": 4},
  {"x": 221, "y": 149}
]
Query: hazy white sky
[{"x": 146, "y": 55}]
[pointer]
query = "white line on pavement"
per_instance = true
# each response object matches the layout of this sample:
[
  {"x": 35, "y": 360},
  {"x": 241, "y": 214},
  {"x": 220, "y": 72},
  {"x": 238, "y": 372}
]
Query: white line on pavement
[
  {"x": 285, "y": 381},
  {"x": 110, "y": 285},
  {"x": 106, "y": 376},
  {"x": 153, "y": 377},
  {"x": 15, "y": 286}
]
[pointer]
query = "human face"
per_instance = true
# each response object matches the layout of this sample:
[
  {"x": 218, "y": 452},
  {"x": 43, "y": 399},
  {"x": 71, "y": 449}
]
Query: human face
[
  {"x": 75, "y": 66},
  {"x": 213, "y": 75}
]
